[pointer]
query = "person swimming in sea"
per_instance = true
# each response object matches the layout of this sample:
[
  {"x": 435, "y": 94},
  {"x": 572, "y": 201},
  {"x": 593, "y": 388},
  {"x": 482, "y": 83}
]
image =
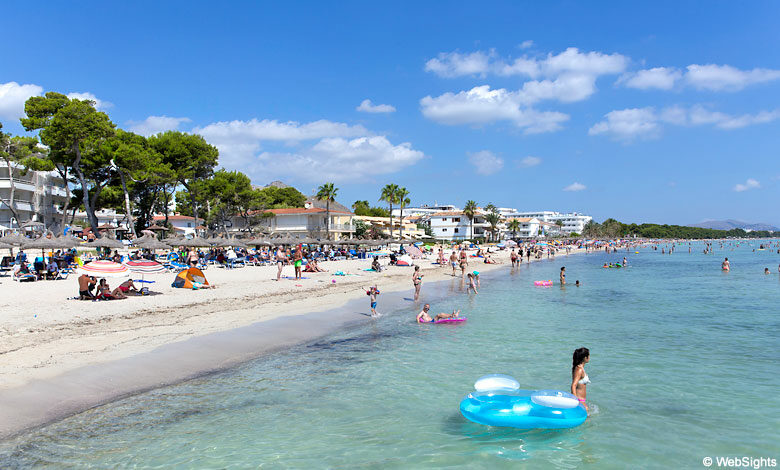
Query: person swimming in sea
[
  {"x": 424, "y": 317},
  {"x": 726, "y": 266},
  {"x": 766, "y": 270},
  {"x": 579, "y": 378}
]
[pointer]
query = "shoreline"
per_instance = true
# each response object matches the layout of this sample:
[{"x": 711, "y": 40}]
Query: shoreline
[{"x": 137, "y": 352}]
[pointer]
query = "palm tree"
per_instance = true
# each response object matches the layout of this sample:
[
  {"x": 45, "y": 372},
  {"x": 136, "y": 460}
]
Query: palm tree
[
  {"x": 470, "y": 210},
  {"x": 559, "y": 223},
  {"x": 493, "y": 218},
  {"x": 327, "y": 192},
  {"x": 403, "y": 201},
  {"x": 390, "y": 196},
  {"x": 514, "y": 226}
]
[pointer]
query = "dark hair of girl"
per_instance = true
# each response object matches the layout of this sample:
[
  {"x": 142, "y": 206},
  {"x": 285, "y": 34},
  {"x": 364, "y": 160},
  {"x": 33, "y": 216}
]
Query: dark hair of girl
[{"x": 579, "y": 357}]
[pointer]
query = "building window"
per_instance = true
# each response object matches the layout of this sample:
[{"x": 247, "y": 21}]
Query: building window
[
  {"x": 443, "y": 219},
  {"x": 456, "y": 230},
  {"x": 444, "y": 230},
  {"x": 456, "y": 219},
  {"x": 189, "y": 224}
]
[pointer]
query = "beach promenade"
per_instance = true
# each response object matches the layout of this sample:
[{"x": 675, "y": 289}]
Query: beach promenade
[{"x": 46, "y": 334}]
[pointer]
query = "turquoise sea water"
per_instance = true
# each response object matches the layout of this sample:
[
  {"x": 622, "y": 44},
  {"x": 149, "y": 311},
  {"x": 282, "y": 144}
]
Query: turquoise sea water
[{"x": 684, "y": 364}]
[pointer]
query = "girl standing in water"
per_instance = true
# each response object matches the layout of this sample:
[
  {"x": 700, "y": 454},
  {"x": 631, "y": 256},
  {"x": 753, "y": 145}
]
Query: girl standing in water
[
  {"x": 417, "y": 281},
  {"x": 579, "y": 378}
]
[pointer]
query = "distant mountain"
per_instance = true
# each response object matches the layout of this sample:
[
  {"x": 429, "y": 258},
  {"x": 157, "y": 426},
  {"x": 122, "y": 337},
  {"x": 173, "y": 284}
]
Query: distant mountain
[{"x": 730, "y": 224}]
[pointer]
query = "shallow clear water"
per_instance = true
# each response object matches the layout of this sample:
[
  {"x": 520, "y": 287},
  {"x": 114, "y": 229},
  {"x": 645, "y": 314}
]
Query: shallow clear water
[{"x": 683, "y": 366}]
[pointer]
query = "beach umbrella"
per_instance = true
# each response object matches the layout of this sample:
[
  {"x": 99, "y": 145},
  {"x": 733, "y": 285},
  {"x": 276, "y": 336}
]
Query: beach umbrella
[
  {"x": 144, "y": 266},
  {"x": 32, "y": 224},
  {"x": 15, "y": 239},
  {"x": 68, "y": 241},
  {"x": 156, "y": 228},
  {"x": 172, "y": 240},
  {"x": 107, "y": 242},
  {"x": 5, "y": 246},
  {"x": 194, "y": 242},
  {"x": 259, "y": 242},
  {"x": 236, "y": 243},
  {"x": 150, "y": 243},
  {"x": 104, "y": 269},
  {"x": 45, "y": 243}
]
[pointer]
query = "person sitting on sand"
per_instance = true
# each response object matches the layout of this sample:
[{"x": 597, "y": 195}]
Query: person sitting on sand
[
  {"x": 86, "y": 284},
  {"x": 424, "y": 317},
  {"x": 52, "y": 269},
  {"x": 126, "y": 287},
  {"x": 376, "y": 265},
  {"x": 105, "y": 293}
]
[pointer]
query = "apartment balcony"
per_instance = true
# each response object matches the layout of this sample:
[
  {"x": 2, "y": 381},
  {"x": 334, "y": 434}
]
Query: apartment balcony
[{"x": 19, "y": 184}]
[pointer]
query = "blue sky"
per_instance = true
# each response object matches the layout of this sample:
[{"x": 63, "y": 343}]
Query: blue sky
[{"x": 662, "y": 112}]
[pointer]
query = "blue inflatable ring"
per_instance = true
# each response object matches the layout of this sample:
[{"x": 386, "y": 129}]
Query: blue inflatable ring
[{"x": 524, "y": 409}]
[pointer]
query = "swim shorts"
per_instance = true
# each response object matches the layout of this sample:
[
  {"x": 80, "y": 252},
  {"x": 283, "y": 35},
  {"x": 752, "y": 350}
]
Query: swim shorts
[
  {"x": 298, "y": 263},
  {"x": 373, "y": 304}
]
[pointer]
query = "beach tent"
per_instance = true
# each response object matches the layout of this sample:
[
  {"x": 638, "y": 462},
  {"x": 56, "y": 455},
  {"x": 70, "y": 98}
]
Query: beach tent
[
  {"x": 404, "y": 260},
  {"x": 190, "y": 278},
  {"x": 414, "y": 252}
]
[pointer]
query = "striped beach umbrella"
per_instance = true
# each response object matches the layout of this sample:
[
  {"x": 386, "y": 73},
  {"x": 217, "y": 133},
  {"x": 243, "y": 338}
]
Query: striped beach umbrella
[
  {"x": 144, "y": 266},
  {"x": 104, "y": 269}
]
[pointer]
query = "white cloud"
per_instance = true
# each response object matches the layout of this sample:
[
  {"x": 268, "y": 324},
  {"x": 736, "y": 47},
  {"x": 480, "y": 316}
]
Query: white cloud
[
  {"x": 485, "y": 162},
  {"x": 367, "y": 107},
  {"x": 99, "y": 104},
  {"x": 725, "y": 77},
  {"x": 456, "y": 64},
  {"x": 566, "y": 77},
  {"x": 575, "y": 187},
  {"x": 629, "y": 124},
  {"x": 749, "y": 184},
  {"x": 156, "y": 124},
  {"x": 342, "y": 152},
  {"x": 13, "y": 96},
  {"x": 530, "y": 161},
  {"x": 526, "y": 44},
  {"x": 241, "y": 140},
  {"x": 662, "y": 78},
  {"x": 481, "y": 105},
  {"x": 335, "y": 159}
]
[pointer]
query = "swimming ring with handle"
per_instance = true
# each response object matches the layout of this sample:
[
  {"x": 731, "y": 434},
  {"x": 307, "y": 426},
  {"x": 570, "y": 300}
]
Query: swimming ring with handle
[{"x": 498, "y": 401}]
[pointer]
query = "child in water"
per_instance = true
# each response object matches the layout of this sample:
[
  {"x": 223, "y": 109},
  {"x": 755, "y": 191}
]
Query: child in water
[
  {"x": 372, "y": 292},
  {"x": 472, "y": 284}
]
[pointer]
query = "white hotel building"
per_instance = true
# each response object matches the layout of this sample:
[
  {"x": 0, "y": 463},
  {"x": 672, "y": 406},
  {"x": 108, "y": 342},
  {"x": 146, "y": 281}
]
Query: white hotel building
[
  {"x": 38, "y": 196},
  {"x": 572, "y": 221}
]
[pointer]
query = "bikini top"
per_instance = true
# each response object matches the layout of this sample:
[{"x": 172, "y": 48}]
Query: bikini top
[{"x": 584, "y": 381}]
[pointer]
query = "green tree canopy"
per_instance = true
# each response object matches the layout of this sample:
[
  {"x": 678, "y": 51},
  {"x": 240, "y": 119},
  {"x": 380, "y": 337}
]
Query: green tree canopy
[{"x": 73, "y": 130}]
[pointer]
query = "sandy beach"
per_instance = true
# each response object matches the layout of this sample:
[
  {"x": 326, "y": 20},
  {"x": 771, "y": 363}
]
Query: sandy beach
[{"x": 47, "y": 336}]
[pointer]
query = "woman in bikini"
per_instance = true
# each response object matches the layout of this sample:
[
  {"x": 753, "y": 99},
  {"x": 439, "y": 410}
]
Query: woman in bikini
[
  {"x": 281, "y": 258},
  {"x": 579, "y": 378},
  {"x": 417, "y": 281}
]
